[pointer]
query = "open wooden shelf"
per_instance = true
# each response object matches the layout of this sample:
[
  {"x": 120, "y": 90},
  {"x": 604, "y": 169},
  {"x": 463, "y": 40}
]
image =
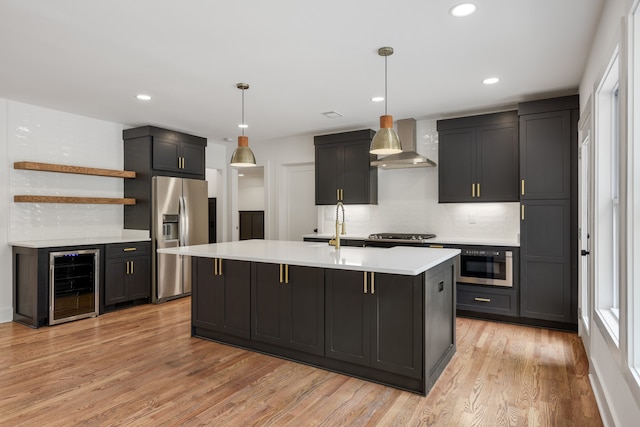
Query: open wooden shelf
[
  {"x": 81, "y": 170},
  {"x": 79, "y": 200}
]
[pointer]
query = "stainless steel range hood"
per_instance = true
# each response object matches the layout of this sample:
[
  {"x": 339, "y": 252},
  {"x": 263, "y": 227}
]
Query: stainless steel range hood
[{"x": 409, "y": 158}]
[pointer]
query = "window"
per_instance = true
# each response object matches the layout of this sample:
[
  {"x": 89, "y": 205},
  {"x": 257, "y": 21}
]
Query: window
[{"x": 607, "y": 230}]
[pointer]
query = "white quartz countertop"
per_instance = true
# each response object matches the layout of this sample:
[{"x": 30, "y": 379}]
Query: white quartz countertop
[
  {"x": 78, "y": 241},
  {"x": 399, "y": 260}
]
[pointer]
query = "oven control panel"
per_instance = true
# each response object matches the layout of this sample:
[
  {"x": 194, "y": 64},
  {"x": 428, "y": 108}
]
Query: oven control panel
[{"x": 481, "y": 252}]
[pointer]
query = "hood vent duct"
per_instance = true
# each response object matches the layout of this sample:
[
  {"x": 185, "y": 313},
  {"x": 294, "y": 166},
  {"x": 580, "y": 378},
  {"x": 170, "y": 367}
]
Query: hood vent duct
[{"x": 409, "y": 158}]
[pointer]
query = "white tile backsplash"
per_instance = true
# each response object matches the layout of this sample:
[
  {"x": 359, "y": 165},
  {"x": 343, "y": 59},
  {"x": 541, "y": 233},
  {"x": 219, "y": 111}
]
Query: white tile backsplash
[
  {"x": 408, "y": 202},
  {"x": 42, "y": 135}
]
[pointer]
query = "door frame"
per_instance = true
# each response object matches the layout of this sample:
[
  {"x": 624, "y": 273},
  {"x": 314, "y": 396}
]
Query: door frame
[{"x": 586, "y": 184}]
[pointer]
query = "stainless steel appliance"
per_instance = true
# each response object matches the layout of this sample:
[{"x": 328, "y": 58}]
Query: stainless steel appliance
[
  {"x": 388, "y": 240},
  {"x": 73, "y": 285},
  {"x": 486, "y": 266},
  {"x": 180, "y": 212}
]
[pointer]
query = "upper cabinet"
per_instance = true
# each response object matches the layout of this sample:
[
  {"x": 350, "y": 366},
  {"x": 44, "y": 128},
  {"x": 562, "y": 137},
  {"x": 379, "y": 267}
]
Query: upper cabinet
[
  {"x": 545, "y": 163},
  {"x": 152, "y": 151},
  {"x": 165, "y": 152},
  {"x": 478, "y": 158},
  {"x": 343, "y": 169}
]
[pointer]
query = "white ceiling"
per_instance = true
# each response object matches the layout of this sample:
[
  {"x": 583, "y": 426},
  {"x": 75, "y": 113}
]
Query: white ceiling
[{"x": 91, "y": 57}]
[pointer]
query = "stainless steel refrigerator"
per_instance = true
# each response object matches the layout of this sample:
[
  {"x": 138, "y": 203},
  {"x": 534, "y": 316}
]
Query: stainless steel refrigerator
[{"x": 179, "y": 218}]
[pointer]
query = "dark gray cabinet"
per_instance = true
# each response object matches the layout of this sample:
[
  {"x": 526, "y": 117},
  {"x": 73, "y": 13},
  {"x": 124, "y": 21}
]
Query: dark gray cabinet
[
  {"x": 151, "y": 151},
  {"x": 221, "y": 299},
  {"x": 287, "y": 306},
  {"x": 440, "y": 318},
  {"x": 343, "y": 169},
  {"x": 127, "y": 275},
  {"x": 375, "y": 320},
  {"x": 31, "y": 281},
  {"x": 181, "y": 157},
  {"x": 548, "y": 227},
  {"x": 478, "y": 158},
  {"x": 546, "y": 290},
  {"x": 545, "y": 161}
]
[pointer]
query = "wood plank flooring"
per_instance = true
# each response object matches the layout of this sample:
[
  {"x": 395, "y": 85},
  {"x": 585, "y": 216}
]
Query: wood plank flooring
[{"x": 141, "y": 367}]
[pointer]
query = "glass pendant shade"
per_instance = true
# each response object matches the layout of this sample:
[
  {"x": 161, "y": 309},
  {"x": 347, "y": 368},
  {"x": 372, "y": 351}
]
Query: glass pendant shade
[
  {"x": 243, "y": 156},
  {"x": 386, "y": 140}
]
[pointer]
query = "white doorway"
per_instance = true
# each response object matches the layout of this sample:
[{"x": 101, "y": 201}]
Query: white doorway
[{"x": 299, "y": 215}]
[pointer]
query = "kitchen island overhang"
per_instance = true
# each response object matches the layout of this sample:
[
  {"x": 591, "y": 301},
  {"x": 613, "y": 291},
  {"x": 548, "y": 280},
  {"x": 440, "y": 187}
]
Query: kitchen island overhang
[{"x": 382, "y": 314}]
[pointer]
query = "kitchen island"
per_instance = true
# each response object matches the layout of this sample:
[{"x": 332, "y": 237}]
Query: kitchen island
[{"x": 382, "y": 314}]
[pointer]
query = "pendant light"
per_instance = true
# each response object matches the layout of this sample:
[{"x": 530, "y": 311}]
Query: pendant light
[
  {"x": 243, "y": 156},
  {"x": 386, "y": 140}
]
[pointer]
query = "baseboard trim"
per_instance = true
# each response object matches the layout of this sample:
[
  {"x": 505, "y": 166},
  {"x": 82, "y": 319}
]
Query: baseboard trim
[{"x": 600, "y": 395}]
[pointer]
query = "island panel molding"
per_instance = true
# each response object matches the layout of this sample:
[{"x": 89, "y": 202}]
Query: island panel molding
[{"x": 80, "y": 170}]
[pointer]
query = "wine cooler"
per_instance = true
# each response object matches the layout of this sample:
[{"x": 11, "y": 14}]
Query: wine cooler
[{"x": 73, "y": 285}]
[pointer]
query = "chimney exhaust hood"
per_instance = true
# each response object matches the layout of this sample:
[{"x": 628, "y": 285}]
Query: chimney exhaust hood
[{"x": 409, "y": 158}]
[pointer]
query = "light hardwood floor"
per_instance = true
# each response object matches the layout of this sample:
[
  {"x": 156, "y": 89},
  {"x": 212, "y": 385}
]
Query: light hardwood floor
[{"x": 140, "y": 366}]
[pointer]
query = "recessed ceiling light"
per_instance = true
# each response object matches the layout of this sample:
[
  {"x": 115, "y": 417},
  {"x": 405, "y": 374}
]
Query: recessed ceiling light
[
  {"x": 240, "y": 174},
  {"x": 461, "y": 10},
  {"x": 229, "y": 139},
  {"x": 143, "y": 97},
  {"x": 331, "y": 114},
  {"x": 491, "y": 81},
  {"x": 377, "y": 98}
]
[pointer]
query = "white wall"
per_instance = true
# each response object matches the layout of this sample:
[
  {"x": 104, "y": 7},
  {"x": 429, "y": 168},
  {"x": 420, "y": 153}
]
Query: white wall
[
  {"x": 606, "y": 361},
  {"x": 408, "y": 202},
  {"x": 6, "y": 286},
  {"x": 251, "y": 192},
  {"x": 30, "y": 133}
]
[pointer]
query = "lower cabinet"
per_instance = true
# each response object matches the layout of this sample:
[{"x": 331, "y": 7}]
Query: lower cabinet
[
  {"x": 375, "y": 319},
  {"x": 287, "y": 306},
  {"x": 546, "y": 289},
  {"x": 440, "y": 319},
  {"x": 393, "y": 329},
  {"x": 221, "y": 296},
  {"x": 127, "y": 275},
  {"x": 488, "y": 299}
]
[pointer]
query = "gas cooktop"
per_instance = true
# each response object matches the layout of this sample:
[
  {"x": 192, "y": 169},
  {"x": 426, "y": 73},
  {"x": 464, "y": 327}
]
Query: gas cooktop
[{"x": 401, "y": 236}]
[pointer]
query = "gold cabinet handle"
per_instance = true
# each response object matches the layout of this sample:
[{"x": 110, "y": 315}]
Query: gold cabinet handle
[
  {"x": 281, "y": 273},
  {"x": 215, "y": 266},
  {"x": 373, "y": 283},
  {"x": 129, "y": 249},
  {"x": 478, "y": 189},
  {"x": 220, "y": 266},
  {"x": 522, "y": 187},
  {"x": 127, "y": 268},
  {"x": 365, "y": 282},
  {"x": 473, "y": 190},
  {"x": 522, "y": 212},
  {"x": 286, "y": 273},
  {"x": 131, "y": 267},
  {"x": 482, "y": 299},
  {"x": 341, "y": 194},
  {"x": 338, "y": 194}
]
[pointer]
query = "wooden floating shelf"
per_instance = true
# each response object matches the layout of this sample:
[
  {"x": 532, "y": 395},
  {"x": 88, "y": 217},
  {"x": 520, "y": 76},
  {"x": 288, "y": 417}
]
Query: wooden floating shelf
[
  {"x": 81, "y": 170},
  {"x": 78, "y": 200}
]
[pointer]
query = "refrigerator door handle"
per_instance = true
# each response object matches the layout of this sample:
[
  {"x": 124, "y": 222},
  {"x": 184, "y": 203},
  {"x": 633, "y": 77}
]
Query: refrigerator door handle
[{"x": 182, "y": 214}]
